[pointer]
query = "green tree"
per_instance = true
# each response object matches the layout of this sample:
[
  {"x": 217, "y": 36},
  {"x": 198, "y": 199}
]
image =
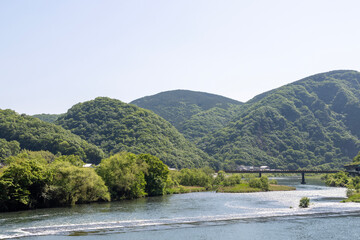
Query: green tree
[
  {"x": 124, "y": 174},
  {"x": 22, "y": 183},
  {"x": 8, "y": 149},
  {"x": 73, "y": 184},
  {"x": 156, "y": 176}
]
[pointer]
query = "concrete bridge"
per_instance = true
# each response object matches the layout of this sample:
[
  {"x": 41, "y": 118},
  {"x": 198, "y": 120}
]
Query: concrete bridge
[{"x": 260, "y": 171}]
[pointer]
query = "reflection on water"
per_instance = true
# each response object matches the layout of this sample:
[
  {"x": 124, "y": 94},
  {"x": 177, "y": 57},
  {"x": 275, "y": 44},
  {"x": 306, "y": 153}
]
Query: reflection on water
[{"x": 210, "y": 213}]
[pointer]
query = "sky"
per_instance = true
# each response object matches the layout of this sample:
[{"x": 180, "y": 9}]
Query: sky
[{"x": 54, "y": 54}]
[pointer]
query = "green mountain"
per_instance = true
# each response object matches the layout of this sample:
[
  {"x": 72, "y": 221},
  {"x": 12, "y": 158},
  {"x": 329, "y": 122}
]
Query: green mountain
[
  {"x": 33, "y": 134},
  {"x": 47, "y": 117},
  {"x": 194, "y": 114},
  {"x": 311, "y": 122},
  {"x": 116, "y": 126}
]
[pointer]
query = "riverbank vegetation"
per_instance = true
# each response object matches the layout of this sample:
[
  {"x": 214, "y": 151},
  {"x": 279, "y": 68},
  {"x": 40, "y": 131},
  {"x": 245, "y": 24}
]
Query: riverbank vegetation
[
  {"x": 342, "y": 179},
  {"x": 40, "y": 179},
  {"x": 248, "y": 185}
]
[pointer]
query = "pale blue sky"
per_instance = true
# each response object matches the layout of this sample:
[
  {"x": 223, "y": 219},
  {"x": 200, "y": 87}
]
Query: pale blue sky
[{"x": 54, "y": 54}]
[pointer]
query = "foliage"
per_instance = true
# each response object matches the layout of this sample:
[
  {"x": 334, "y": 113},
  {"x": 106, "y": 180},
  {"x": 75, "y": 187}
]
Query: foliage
[
  {"x": 194, "y": 177},
  {"x": 22, "y": 183},
  {"x": 47, "y": 117},
  {"x": 8, "y": 149},
  {"x": 244, "y": 187},
  {"x": 156, "y": 175},
  {"x": 40, "y": 179},
  {"x": 304, "y": 202},
  {"x": 73, "y": 184},
  {"x": 116, "y": 126},
  {"x": 357, "y": 158},
  {"x": 262, "y": 183},
  {"x": 124, "y": 174},
  {"x": 194, "y": 114},
  {"x": 339, "y": 179},
  {"x": 232, "y": 180},
  {"x": 34, "y": 134},
  {"x": 309, "y": 123}
]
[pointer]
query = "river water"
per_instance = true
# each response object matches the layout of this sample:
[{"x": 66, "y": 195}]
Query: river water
[{"x": 208, "y": 215}]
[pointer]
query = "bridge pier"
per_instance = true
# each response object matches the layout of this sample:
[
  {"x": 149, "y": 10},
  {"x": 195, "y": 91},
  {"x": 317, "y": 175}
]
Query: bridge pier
[
  {"x": 259, "y": 174},
  {"x": 303, "y": 178}
]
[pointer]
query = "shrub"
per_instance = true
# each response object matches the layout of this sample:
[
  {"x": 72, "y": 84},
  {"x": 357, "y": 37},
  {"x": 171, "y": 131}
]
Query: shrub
[
  {"x": 304, "y": 202},
  {"x": 262, "y": 183},
  {"x": 232, "y": 180}
]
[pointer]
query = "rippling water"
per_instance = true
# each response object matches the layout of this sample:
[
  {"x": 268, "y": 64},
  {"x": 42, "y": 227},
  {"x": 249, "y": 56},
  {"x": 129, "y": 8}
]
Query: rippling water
[{"x": 209, "y": 215}]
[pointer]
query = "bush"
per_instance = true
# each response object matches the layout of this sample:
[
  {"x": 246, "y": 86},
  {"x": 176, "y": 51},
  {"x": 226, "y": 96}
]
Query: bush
[
  {"x": 262, "y": 183},
  {"x": 273, "y": 181},
  {"x": 232, "y": 180},
  {"x": 304, "y": 202}
]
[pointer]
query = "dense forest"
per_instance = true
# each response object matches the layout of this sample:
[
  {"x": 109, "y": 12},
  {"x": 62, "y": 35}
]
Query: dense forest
[
  {"x": 194, "y": 114},
  {"x": 311, "y": 122},
  {"x": 47, "y": 117},
  {"x": 26, "y": 132},
  {"x": 115, "y": 126}
]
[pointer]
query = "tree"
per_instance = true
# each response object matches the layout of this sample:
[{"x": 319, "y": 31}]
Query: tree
[
  {"x": 156, "y": 176},
  {"x": 124, "y": 174},
  {"x": 22, "y": 182},
  {"x": 74, "y": 184}
]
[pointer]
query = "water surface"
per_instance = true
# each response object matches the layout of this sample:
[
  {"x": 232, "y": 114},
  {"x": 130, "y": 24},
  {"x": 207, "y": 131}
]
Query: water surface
[{"x": 208, "y": 215}]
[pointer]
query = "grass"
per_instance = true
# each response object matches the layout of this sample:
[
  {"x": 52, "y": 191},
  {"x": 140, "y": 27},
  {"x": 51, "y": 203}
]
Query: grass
[
  {"x": 185, "y": 189},
  {"x": 244, "y": 188},
  {"x": 274, "y": 187},
  {"x": 353, "y": 198}
]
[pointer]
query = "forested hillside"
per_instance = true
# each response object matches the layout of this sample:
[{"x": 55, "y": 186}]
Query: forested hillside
[
  {"x": 25, "y": 132},
  {"x": 116, "y": 126},
  {"x": 311, "y": 122},
  {"x": 47, "y": 117},
  {"x": 194, "y": 114}
]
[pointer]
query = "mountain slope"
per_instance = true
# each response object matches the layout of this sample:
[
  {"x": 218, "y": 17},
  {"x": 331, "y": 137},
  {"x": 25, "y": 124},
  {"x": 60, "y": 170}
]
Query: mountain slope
[
  {"x": 47, "y": 117},
  {"x": 34, "y": 134},
  {"x": 116, "y": 126},
  {"x": 194, "y": 114},
  {"x": 311, "y": 122}
]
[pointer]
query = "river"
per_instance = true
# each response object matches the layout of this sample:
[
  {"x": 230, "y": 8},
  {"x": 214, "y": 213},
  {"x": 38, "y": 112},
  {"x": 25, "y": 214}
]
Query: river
[{"x": 207, "y": 215}]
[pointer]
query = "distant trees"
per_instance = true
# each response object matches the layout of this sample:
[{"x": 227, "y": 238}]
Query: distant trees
[
  {"x": 311, "y": 122},
  {"x": 8, "y": 149}
]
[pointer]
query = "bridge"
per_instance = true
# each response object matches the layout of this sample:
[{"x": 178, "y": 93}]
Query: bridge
[{"x": 260, "y": 171}]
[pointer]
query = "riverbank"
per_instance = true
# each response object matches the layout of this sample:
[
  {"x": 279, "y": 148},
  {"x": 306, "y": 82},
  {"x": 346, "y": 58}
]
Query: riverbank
[{"x": 245, "y": 188}]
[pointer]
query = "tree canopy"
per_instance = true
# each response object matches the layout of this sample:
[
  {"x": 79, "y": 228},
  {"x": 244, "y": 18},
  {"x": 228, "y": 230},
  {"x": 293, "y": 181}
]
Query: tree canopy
[
  {"x": 194, "y": 114},
  {"x": 310, "y": 123},
  {"x": 116, "y": 126},
  {"x": 34, "y": 134}
]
